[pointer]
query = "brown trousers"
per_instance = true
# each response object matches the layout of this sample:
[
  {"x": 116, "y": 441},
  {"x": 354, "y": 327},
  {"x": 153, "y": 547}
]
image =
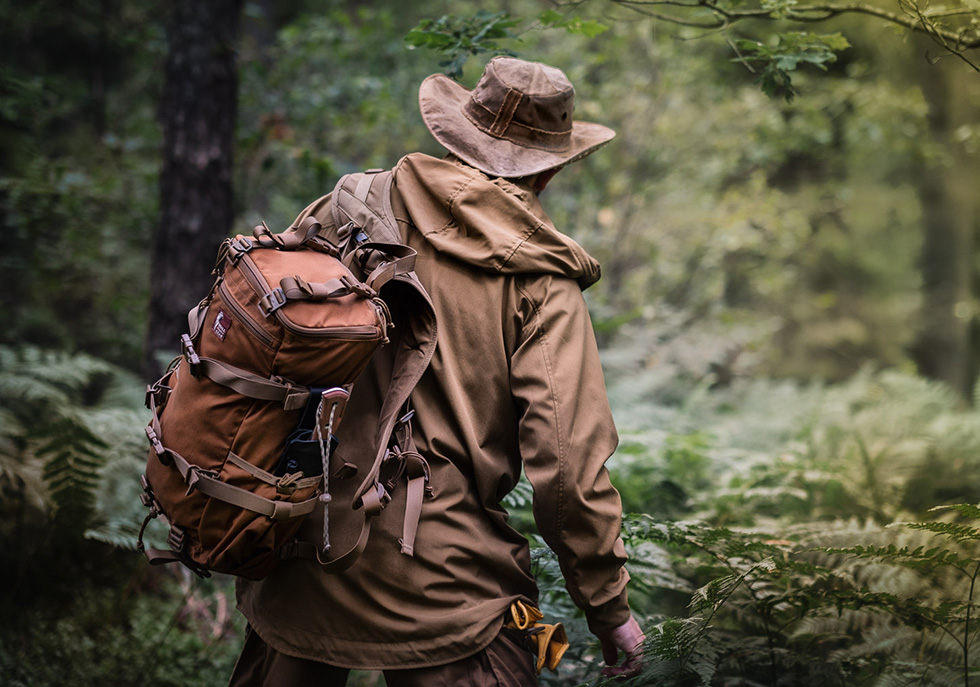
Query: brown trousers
[{"x": 504, "y": 663}]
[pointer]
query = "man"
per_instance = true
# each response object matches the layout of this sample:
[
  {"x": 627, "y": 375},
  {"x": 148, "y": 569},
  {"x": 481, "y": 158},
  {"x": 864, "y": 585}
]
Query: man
[{"x": 515, "y": 382}]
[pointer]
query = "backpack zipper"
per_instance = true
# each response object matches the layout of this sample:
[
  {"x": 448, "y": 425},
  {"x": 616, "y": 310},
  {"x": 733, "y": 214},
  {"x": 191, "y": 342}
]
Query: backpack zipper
[{"x": 243, "y": 316}]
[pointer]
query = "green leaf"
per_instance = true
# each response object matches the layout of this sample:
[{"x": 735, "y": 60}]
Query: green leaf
[
  {"x": 550, "y": 18},
  {"x": 460, "y": 37},
  {"x": 574, "y": 25},
  {"x": 785, "y": 54},
  {"x": 967, "y": 510}
]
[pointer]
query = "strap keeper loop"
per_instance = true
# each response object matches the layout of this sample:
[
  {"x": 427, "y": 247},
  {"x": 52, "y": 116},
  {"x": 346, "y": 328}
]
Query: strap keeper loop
[
  {"x": 357, "y": 287},
  {"x": 281, "y": 510},
  {"x": 175, "y": 539},
  {"x": 157, "y": 395}
]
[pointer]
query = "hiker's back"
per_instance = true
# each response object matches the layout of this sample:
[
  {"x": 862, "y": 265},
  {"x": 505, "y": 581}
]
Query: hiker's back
[{"x": 485, "y": 376}]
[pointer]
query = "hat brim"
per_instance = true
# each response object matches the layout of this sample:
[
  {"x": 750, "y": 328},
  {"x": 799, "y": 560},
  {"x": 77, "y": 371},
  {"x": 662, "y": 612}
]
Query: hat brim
[{"x": 441, "y": 102}]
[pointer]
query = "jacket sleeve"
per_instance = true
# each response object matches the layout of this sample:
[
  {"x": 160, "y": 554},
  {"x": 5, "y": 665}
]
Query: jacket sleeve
[{"x": 566, "y": 435}]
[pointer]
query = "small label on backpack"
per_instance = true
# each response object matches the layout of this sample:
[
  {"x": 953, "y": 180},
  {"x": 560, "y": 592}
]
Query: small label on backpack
[{"x": 222, "y": 323}]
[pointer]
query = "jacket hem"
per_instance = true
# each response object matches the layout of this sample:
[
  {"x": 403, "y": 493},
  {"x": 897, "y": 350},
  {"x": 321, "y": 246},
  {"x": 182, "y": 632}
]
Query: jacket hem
[{"x": 396, "y": 659}]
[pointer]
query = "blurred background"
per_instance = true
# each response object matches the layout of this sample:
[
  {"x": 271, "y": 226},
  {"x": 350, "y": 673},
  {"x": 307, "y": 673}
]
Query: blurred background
[{"x": 787, "y": 318}]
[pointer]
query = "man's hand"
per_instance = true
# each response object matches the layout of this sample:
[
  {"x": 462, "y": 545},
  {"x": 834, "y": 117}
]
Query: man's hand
[{"x": 629, "y": 639}]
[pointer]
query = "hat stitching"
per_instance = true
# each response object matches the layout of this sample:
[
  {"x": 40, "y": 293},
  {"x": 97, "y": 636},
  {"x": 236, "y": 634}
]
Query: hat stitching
[
  {"x": 505, "y": 114},
  {"x": 481, "y": 127},
  {"x": 524, "y": 144}
]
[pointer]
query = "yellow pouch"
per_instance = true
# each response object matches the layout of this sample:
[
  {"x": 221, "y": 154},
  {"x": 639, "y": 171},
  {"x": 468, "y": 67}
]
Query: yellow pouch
[{"x": 550, "y": 641}]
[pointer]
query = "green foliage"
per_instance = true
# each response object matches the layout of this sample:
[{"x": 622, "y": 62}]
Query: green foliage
[
  {"x": 746, "y": 242},
  {"x": 783, "y": 612},
  {"x": 460, "y": 38},
  {"x": 335, "y": 92},
  {"x": 66, "y": 417},
  {"x": 78, "y": 163},
  {"x": 574, "y": 24},
  {"x": 177, "y": 636},
  {"x": 785, "y": 53}
]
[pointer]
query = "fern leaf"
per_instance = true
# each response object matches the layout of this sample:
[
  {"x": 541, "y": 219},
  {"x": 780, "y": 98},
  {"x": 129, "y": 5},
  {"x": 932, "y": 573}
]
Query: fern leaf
[
  {"x": 967, "y": 510},
  {"x": 64, "y": 423},
  {"x": 950, "y": 530},
  {"x": 123, "y": 534},
  {"x": 917, "y": 558}
]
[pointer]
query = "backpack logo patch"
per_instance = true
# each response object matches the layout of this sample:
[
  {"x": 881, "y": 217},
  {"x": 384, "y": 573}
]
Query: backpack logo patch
[{"x": 222, "y": 323}]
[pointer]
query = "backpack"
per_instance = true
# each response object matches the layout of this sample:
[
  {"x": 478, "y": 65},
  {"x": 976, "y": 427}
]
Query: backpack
[{"x": 243, "y": 423}]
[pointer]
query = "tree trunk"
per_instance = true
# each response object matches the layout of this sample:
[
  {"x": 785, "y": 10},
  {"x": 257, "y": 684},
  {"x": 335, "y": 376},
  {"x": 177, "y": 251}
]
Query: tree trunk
[
  {"x": 196, "y": 204},
  {"x": 943, "y": 348}
]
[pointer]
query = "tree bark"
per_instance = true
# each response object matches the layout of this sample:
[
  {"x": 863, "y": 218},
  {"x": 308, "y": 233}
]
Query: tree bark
[
  {"x": 198, "y": 113},
  {"x": 943, "y": 349}
]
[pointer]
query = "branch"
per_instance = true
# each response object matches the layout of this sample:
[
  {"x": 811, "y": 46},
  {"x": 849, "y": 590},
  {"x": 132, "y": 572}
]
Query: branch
[
  {"x": 955, "y": 41},
  {"x": 911, "y": 7}
]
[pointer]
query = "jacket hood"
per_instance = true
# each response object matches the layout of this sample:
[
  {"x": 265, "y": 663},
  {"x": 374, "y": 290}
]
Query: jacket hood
[{"x": 491, "y": 223}]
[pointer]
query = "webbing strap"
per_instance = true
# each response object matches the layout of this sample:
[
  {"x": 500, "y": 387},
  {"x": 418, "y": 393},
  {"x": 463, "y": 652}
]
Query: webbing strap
[
  {"x": 163, "y": 557},
  {"x": 291, "y": 239},
  {"x": 413, "y": 512},
  {"x": 236, "y": 496},
  {"x": 310, "y": 551},
  {"x": 298, "y": 289},
  {"x": 207, "y": 482},
  {"x": 364, "y": 186},
  {"x": 367, "y": 226},
  {"x": 252, "y": 385}
]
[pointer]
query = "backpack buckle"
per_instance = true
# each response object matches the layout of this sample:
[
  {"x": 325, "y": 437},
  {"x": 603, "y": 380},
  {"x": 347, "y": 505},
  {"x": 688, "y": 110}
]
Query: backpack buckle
[
  {"x": 193, "y": 360},
  {"x": 157, "y": 446},
  {"x": 272, "y": 301},
  {"x": 241, "y": 245}
]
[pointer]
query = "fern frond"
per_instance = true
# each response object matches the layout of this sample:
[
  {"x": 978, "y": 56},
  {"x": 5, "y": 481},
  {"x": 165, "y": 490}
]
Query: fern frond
[
  {"x": 650, "y": 566},
  {"x": 120, "y": 533},
  {"x": 950, "y": 530},
  {"x": 967, "y": 510},
  {"x": 917, "y": 558},
  {"x": 65, "y": 423}
]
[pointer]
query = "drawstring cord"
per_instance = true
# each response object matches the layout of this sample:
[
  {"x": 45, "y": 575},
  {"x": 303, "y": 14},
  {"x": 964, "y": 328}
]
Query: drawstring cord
[{"x": 325, "y": 457}]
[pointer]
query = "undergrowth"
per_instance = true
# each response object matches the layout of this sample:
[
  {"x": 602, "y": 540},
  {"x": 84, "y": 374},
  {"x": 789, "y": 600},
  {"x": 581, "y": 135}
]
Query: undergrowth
[{"x": 777, "y": 536}]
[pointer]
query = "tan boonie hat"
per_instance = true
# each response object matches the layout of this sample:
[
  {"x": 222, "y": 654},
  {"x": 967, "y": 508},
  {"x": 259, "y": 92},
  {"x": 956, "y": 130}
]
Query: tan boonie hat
[{"x": 517, "y": 121}]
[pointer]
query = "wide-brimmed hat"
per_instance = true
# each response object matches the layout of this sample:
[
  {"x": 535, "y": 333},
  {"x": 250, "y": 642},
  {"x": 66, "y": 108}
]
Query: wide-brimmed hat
[{"x": 516, "y": 122}]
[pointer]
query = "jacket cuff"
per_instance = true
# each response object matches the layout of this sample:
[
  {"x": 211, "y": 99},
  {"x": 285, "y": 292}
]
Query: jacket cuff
[{"x": 606, "y": 617}]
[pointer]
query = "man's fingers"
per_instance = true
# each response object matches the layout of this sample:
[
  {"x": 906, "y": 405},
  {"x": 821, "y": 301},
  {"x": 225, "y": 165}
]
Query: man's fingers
[
  {"x": 610, "y": 653},
  {"x": 631, "y": 667},
  {"x": 629, "y": 639}
]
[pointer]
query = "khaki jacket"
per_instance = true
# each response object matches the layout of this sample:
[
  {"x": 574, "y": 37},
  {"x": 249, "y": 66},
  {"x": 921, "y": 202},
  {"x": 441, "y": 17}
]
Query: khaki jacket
[{"x": 515, "y": 383}]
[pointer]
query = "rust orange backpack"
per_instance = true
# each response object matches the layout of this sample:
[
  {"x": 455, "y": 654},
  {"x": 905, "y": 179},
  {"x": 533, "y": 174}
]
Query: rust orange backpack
[{"x": 243, "y": 420}]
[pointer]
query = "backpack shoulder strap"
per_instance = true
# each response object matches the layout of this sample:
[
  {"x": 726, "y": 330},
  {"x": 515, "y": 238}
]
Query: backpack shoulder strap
[
  {"x": 363, "y": 200},
  {"x": 362, "y": 211}
]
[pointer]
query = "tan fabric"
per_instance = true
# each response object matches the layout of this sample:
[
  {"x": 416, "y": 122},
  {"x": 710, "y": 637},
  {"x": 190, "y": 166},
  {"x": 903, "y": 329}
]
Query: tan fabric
[{"x": 515, "y": 381}]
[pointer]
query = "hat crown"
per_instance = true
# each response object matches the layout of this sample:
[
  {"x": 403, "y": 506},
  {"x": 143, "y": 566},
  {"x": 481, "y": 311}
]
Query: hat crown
[
  {"x": 528, "y": 103},
  {"x": 516, "y": 121}
]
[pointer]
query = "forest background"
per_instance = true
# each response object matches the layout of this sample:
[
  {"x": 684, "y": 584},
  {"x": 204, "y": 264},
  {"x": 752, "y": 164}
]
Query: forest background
[{"x": 787, "y": 319}]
